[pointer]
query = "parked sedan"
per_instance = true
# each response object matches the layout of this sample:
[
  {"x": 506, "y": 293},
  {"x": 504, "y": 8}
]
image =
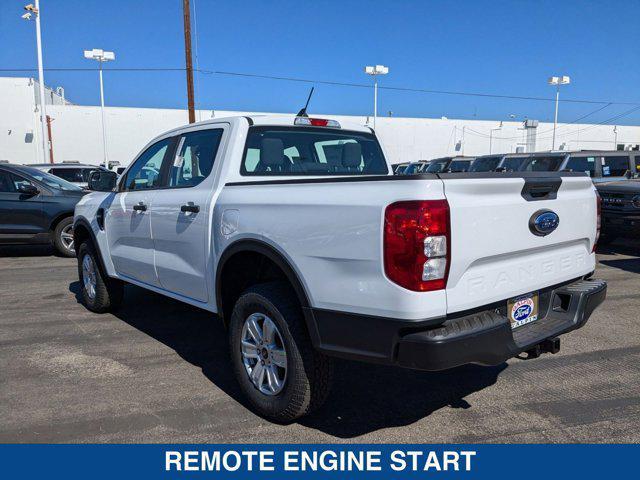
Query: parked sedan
[
  {"x": 620, "y": 209},
  {"x": 37, "y": 208}
]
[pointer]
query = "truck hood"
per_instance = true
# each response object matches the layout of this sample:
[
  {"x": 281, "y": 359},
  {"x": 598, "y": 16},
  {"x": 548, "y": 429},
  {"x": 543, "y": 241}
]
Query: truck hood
[{"x": 622, "y": 186}]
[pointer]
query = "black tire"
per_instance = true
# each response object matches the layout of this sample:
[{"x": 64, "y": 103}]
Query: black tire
[
  {"x": 62, "y": 229},
  {"x": 309, "y": 373},
  {"x": 108, "y": 291}
]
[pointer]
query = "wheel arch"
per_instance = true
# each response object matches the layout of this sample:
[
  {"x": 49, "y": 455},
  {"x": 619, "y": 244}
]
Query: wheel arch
[
  {"x": 82, "y": 232},
  {"x": 260, "y": 248},
  {"x": 58, "y": 218}
]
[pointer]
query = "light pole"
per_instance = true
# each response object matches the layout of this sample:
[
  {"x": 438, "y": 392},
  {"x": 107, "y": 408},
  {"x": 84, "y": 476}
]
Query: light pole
[
  {"x": 33, "y": 12},
  {"x": 491, "y": 135},
  {"x": 557, "y": 81},
  {"x": 375, "y": 71},
  {"x": 101, "y": 56}
]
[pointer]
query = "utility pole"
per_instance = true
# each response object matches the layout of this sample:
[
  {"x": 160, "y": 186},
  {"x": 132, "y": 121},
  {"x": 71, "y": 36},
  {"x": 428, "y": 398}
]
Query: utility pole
[
  {"x": 557, "y": 81},
  {"x": 189, "y": 63},
  {"x": 34, "y": 12},
  {"x": 374, "y": 71}
]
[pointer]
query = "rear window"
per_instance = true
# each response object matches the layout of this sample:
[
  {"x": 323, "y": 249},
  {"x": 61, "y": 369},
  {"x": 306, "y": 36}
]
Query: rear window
[
  {"x": 486, "y": 164},
  {"x": 299, "y": 151},
  {"x": 615, "y": 166},
  {"x": 582, "y": 164},
  {"x": 542, "y": 164},
  {"x": 512, "y": 164}
]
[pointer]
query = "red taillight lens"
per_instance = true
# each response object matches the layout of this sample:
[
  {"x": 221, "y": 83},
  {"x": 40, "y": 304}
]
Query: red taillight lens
[
  {"x": 598, "y": 220},
  {"x": 417, "y": 244},
  {"x": 319, "y": 122}
]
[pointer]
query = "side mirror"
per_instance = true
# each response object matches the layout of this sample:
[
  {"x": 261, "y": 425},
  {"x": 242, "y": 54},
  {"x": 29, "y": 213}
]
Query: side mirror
[
  {"x": 28, "y": 189},
  {"x": 628, "y": 175},
  {"x": 102, "y": 180}
]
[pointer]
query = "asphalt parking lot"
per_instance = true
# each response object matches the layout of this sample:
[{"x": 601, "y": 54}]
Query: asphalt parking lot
[{"x": 158, "y": 372}]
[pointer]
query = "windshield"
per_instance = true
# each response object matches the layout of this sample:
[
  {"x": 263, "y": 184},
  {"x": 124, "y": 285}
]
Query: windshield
[
  {"x": 412, "y": 169},
  {"x": 486, "y": 164},
  {"x": 437, "y": 166},
  {"x": 52, "y": 180},
  {"x": 542, "y": 164},
  {"x": 459, "y": 166},
  {"x": 296, "y": 151}
]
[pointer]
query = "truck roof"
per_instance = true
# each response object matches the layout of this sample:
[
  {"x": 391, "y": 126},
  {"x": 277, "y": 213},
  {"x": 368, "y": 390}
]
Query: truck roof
[{"x": 271, "y": 120}]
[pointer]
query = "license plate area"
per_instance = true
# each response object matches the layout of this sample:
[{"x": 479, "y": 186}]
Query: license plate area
[{"x": 523, "y": 309}]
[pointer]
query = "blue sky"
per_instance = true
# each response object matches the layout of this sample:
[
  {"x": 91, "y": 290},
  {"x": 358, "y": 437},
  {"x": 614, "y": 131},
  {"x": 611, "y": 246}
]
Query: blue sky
[{"x": 496, "y": 47}]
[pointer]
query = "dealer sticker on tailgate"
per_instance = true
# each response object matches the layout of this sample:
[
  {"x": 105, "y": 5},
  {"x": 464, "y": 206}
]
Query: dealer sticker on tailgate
[{"x": 523, "y": 309}]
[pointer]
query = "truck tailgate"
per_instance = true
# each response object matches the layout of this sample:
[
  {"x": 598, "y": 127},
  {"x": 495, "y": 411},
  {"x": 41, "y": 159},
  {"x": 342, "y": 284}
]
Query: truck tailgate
[{"x": 495, "y": 254}]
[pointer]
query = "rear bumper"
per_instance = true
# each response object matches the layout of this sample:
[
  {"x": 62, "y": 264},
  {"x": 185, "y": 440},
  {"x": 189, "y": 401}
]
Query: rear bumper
[{"x": 482, "y": 337}]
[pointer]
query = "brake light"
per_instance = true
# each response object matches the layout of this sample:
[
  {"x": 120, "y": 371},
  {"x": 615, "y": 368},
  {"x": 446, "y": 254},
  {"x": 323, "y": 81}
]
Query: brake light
[
  {"x": 417, "y": 244},
  {"x": 316, "y": 122},
  {"x": 598, "y": 220}
]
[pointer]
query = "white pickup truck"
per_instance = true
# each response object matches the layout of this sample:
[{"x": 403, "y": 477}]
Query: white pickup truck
[{"x": 295, "y": 233}]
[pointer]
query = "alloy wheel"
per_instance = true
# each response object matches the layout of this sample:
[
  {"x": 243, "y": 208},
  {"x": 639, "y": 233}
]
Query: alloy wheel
[{"x": 263, "y": 354}]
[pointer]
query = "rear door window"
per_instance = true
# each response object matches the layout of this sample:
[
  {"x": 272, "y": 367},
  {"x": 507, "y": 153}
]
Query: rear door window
[
  {"x": 615, "y": 166},
  {"x": 6, "y": 183},
  {"x": 582, "y": 164},
  {"x": 194, "y": 158},
  {"x": 295, "y": 151}
]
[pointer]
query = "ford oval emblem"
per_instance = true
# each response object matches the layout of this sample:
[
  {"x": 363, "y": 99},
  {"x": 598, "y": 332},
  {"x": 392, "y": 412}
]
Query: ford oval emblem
[{"x": 543, "y": 222}]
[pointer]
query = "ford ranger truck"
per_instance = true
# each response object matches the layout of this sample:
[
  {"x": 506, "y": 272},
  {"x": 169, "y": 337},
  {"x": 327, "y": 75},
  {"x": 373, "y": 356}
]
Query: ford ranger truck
[{"x": 295, "y": 233}]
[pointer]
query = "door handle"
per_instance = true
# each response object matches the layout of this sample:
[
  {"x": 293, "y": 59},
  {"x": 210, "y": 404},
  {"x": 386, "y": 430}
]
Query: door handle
[
  {"x": 190, "y": 207},
  {"x": 140, "y": 207}
]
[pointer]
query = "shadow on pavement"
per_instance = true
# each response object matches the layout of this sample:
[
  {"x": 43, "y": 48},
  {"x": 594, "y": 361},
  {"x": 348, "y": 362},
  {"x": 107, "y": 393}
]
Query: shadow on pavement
[
  {"x": 364, "y": 397},
  {"x": 26, "y": 251},
  {"x": 627, "y": 264},
  {"x": 625, "y": 248}
]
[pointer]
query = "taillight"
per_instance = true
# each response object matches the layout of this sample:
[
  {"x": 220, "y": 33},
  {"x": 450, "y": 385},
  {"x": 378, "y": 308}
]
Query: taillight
[
  {"x": 598, "y": 220},
  {"x": 417, "y": 244}
]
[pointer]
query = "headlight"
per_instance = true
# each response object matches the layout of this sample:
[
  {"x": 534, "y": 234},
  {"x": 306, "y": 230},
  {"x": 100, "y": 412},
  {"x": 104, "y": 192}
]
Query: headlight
[{"x": 636, "y": 201}]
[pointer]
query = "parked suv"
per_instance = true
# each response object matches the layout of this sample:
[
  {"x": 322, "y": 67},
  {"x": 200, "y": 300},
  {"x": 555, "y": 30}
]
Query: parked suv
[
  {"x": 37, "y": 208},
  {"x": 294, "y": 231},
  {"x": 448, "y": 165},
  {"x": 601, "y": 166},
  {"x": 620, "y": 209},
  {"x": 73, "y": 172},
  {"x": 505, "y": 162}
]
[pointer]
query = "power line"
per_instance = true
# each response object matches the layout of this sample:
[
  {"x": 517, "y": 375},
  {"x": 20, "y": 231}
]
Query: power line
[
  {"x": 417, "y": 90},
  {"x": 564, "y": 125},
  {"x": 336, "y": 83},
  {"x": 564, "y": 134}
]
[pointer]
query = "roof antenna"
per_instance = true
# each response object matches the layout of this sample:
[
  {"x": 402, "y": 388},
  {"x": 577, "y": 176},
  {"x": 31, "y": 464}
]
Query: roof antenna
[{"x": 303, "y": 112}]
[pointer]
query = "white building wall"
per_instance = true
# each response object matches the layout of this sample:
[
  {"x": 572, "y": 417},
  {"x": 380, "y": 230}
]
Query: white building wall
[{"x": 76, "y": 131}]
